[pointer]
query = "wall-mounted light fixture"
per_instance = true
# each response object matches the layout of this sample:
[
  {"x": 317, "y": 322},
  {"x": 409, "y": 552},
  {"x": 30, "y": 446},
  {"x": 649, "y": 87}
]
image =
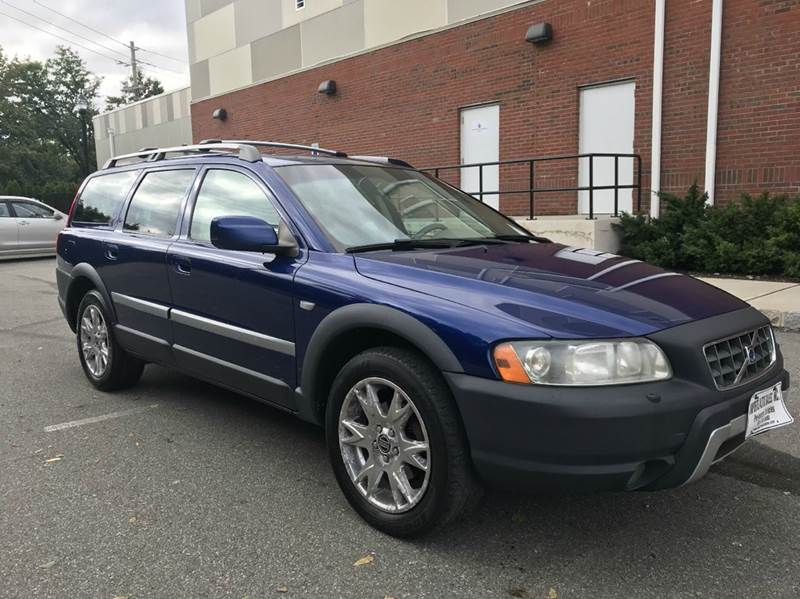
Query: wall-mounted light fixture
[
  {"x": 541, "y": 33},
  {"x": 327, "y": 87},
  {"x": 220, "y": 114}
]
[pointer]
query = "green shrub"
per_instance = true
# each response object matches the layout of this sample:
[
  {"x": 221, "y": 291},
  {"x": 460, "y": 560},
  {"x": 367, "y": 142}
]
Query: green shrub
[{"x": 757, "y": 236}]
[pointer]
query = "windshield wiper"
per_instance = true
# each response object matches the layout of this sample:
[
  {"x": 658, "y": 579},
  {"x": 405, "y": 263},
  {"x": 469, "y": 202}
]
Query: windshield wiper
[
  {"x": 521, "y": 238},
  {"x": 413, "y": 244}
]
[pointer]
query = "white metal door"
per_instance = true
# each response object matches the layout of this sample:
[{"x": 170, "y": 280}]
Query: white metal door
[
  {"x": 606, "y": 126},
  {"x": 480, "y": 142}
]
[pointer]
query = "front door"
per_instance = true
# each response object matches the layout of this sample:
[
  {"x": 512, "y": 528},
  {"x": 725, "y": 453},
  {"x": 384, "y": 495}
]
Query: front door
[
  {"x": 8, "y": 230},
  {"x": 232, "y": 315},
  {"x": 606, "y": 126},
  {"x": 480, "y": 142}
]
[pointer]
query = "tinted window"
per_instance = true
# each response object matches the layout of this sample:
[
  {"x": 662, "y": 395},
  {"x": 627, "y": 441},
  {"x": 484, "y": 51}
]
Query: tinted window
[
  {"x": 4, "y": 210},
  {"x": 228, "y": 193},
  {"x": 102, "y": 197},
  {"x": 28, "y": 210},
  {"x": 155, "y": 204}
]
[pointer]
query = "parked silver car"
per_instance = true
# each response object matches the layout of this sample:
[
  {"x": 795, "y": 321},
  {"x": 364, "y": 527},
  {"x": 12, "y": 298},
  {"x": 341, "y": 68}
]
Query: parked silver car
[{"x": 28, "y": 227}]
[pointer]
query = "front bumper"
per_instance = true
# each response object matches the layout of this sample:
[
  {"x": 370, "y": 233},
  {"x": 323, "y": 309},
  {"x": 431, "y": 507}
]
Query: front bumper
[{"x": 644, "y": 436}]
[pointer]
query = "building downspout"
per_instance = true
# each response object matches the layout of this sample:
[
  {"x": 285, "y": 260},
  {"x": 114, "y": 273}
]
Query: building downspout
[
  {"x": 713, "y": 100},
  {"x": 112, "y": 151},
  {"x": 658, "y": 79}
]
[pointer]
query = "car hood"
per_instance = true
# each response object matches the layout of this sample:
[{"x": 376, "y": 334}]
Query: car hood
[{"x": 552, "y": 289}]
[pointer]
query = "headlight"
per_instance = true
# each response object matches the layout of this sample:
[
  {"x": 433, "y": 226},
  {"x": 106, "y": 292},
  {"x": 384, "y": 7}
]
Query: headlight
[{"x": 585, "y": 363}]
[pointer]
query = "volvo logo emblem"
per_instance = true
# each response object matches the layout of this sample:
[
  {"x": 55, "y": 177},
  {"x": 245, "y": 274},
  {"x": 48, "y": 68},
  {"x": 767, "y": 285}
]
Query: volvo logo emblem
[
  {"x": 750, "y": 354},
  {"x": 384, "y": 444}
]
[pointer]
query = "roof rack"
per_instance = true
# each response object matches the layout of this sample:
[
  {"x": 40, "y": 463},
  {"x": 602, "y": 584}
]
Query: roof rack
[
  {"x": 275, "y": 144},
  {"x": 383, "y": 160},
  {"x": 244, "y": 150}
]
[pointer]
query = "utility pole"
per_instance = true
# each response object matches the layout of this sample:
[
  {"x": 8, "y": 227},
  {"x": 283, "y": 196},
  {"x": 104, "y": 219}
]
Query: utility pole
[{"x": 134, "y": 72}]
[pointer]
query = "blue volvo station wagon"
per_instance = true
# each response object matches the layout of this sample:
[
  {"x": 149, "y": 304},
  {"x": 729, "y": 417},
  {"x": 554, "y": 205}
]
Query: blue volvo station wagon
[{"x": 440, "y": 345}]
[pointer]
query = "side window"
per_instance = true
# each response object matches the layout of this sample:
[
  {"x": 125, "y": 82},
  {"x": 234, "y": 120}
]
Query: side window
[
  {"x": 28, "y": 210},
  {"x": 4, "y": 210},
  {"x": 156, "y": 202},
  {"x": 229, "y": 193},
  {"x": 102, "y": 198}
]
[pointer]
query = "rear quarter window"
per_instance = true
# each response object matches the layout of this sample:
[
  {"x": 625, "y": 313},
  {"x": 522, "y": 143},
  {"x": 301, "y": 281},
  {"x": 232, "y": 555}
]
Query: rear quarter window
[{"x": 102, "y": 198}]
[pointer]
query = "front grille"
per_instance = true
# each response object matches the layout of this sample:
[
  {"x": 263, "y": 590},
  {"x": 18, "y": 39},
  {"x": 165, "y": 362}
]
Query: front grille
[{"x": 728, "y": 358}]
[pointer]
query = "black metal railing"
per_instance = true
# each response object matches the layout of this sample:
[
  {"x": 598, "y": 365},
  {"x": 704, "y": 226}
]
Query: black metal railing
[{"x": 532, "y": 189}]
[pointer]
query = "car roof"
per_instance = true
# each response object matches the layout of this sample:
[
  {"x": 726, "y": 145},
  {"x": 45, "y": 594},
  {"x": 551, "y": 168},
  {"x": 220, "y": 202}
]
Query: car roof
[
  {"x": 19, "y": 198},
  {"x": 271, "y": 160}
]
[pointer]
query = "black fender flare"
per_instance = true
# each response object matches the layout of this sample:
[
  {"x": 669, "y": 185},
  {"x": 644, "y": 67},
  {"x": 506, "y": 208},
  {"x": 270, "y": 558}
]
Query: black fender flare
[
  {"x": 374, "y": 316},
  {"x": 87, "y": 271}
]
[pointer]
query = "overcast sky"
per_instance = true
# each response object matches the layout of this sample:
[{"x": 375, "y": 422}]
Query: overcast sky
[{"x": 155, "y": 25}]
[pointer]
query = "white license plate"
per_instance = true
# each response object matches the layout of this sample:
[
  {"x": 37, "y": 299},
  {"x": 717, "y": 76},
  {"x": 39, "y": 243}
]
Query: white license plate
[{"x": 767, "y": 411}]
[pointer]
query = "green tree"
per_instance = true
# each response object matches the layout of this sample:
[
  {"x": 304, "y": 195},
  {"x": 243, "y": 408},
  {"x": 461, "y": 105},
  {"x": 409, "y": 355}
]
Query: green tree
[
  {"x": 40, "y": 128},
  {"x": 146, "y": 87}
]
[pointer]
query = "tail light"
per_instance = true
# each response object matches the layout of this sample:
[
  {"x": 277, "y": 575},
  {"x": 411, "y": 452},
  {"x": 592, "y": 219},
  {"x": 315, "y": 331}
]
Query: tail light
[{"x": 72, "y": 208}]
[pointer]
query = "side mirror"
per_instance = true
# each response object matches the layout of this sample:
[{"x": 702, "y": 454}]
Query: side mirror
[
  {"x": 249, "y": 234},
  {"x": 58, "y": 216}
]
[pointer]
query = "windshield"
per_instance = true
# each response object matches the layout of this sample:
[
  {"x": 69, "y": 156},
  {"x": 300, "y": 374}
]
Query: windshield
[{"x": 359, "y": 205}]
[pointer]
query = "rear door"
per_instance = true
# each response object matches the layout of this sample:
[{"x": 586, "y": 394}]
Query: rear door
[
  {"x": 232, "y": 316},
  {"x": 8, "y": 230},
  {"x": 37, "y": 225},
  {"x": 134, "y": 260}
]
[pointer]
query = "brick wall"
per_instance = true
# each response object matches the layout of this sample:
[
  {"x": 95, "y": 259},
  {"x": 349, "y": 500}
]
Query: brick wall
[{"x": 404, "y": 99}]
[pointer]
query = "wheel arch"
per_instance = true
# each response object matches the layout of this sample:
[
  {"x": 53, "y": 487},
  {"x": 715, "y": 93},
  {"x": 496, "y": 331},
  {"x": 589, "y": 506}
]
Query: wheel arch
[
  {"x": 350, "y": 330},
  {"x": 84, "y": 278}
]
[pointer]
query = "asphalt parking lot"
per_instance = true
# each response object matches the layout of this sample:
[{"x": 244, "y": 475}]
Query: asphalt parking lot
[{"x": 196, "y": 492}]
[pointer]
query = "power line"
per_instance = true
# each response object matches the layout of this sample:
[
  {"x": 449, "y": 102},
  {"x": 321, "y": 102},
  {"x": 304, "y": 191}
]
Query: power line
[
  {"x": 79, "y": 23},
  {"x": 116, "y": 60},
  {"x": 113, "y": 39},
  {"x": 61, "y": 28}
]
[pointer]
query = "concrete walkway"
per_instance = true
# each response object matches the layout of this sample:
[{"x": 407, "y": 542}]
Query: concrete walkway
[{"x": 779, "y": 301}]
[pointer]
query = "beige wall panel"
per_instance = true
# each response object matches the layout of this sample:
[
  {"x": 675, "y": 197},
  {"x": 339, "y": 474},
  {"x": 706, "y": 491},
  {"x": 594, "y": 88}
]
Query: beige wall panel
[
  {"x": 390, "y": 20},
  {"x": 209, "y": 6},
  {"x": 276, "y": 54},
  {"x": 334, "y": 34},
  {"x": 155, "y": 111},
  {"x": 192, "y": 10},
  {"x": 291, "y": 16},
  {"x": 256, "y": 19},
  {"x": 214, "y": 34},
  {"x": 230, "y": 70},
  {"x": 458, "y": 10},
  {"x": 198, "y": 74}
]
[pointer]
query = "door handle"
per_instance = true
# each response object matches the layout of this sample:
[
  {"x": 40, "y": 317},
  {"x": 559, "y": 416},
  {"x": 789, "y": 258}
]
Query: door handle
[
  {"x": 112, "y": 251},
  {"x": 183, "y": 266},
  {"x": 23, "y": 222}
]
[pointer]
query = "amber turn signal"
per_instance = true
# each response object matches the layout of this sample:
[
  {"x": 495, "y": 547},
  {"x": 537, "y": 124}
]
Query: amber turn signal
[{"x": 509, "y": 366}]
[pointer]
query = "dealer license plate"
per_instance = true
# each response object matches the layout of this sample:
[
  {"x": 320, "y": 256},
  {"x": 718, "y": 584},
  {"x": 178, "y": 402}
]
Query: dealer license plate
[{"x": 767, "y": 411}]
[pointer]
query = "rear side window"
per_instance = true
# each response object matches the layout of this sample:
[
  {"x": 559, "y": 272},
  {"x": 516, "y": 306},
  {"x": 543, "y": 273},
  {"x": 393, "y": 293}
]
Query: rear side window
[
  {"x": 102, "y": 198},
  {"x": 4, "y": 210},
  {"x": 155, "y": 204}
]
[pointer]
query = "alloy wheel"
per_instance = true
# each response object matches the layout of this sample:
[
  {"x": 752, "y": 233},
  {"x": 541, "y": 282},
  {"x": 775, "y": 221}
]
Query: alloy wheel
[
  {"x": 384, "y": 445},
  {"x": 94, "y": 341}
]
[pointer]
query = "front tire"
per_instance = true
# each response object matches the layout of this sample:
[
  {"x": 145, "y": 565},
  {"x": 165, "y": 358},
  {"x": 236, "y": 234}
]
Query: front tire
[
  {"x": 107, "y": 366},
  {"x": 396, "y": 443}
]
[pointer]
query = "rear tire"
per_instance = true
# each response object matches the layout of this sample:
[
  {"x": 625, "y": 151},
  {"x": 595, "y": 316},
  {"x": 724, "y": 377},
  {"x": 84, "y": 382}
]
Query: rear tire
[
  {"x": 107, "y": 366},
  {"x": 405, "y": 466}
]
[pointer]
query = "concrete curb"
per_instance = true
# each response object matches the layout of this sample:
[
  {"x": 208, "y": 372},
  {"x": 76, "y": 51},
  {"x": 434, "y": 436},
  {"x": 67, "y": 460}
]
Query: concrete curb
[{"x": 789, "y": 321}]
